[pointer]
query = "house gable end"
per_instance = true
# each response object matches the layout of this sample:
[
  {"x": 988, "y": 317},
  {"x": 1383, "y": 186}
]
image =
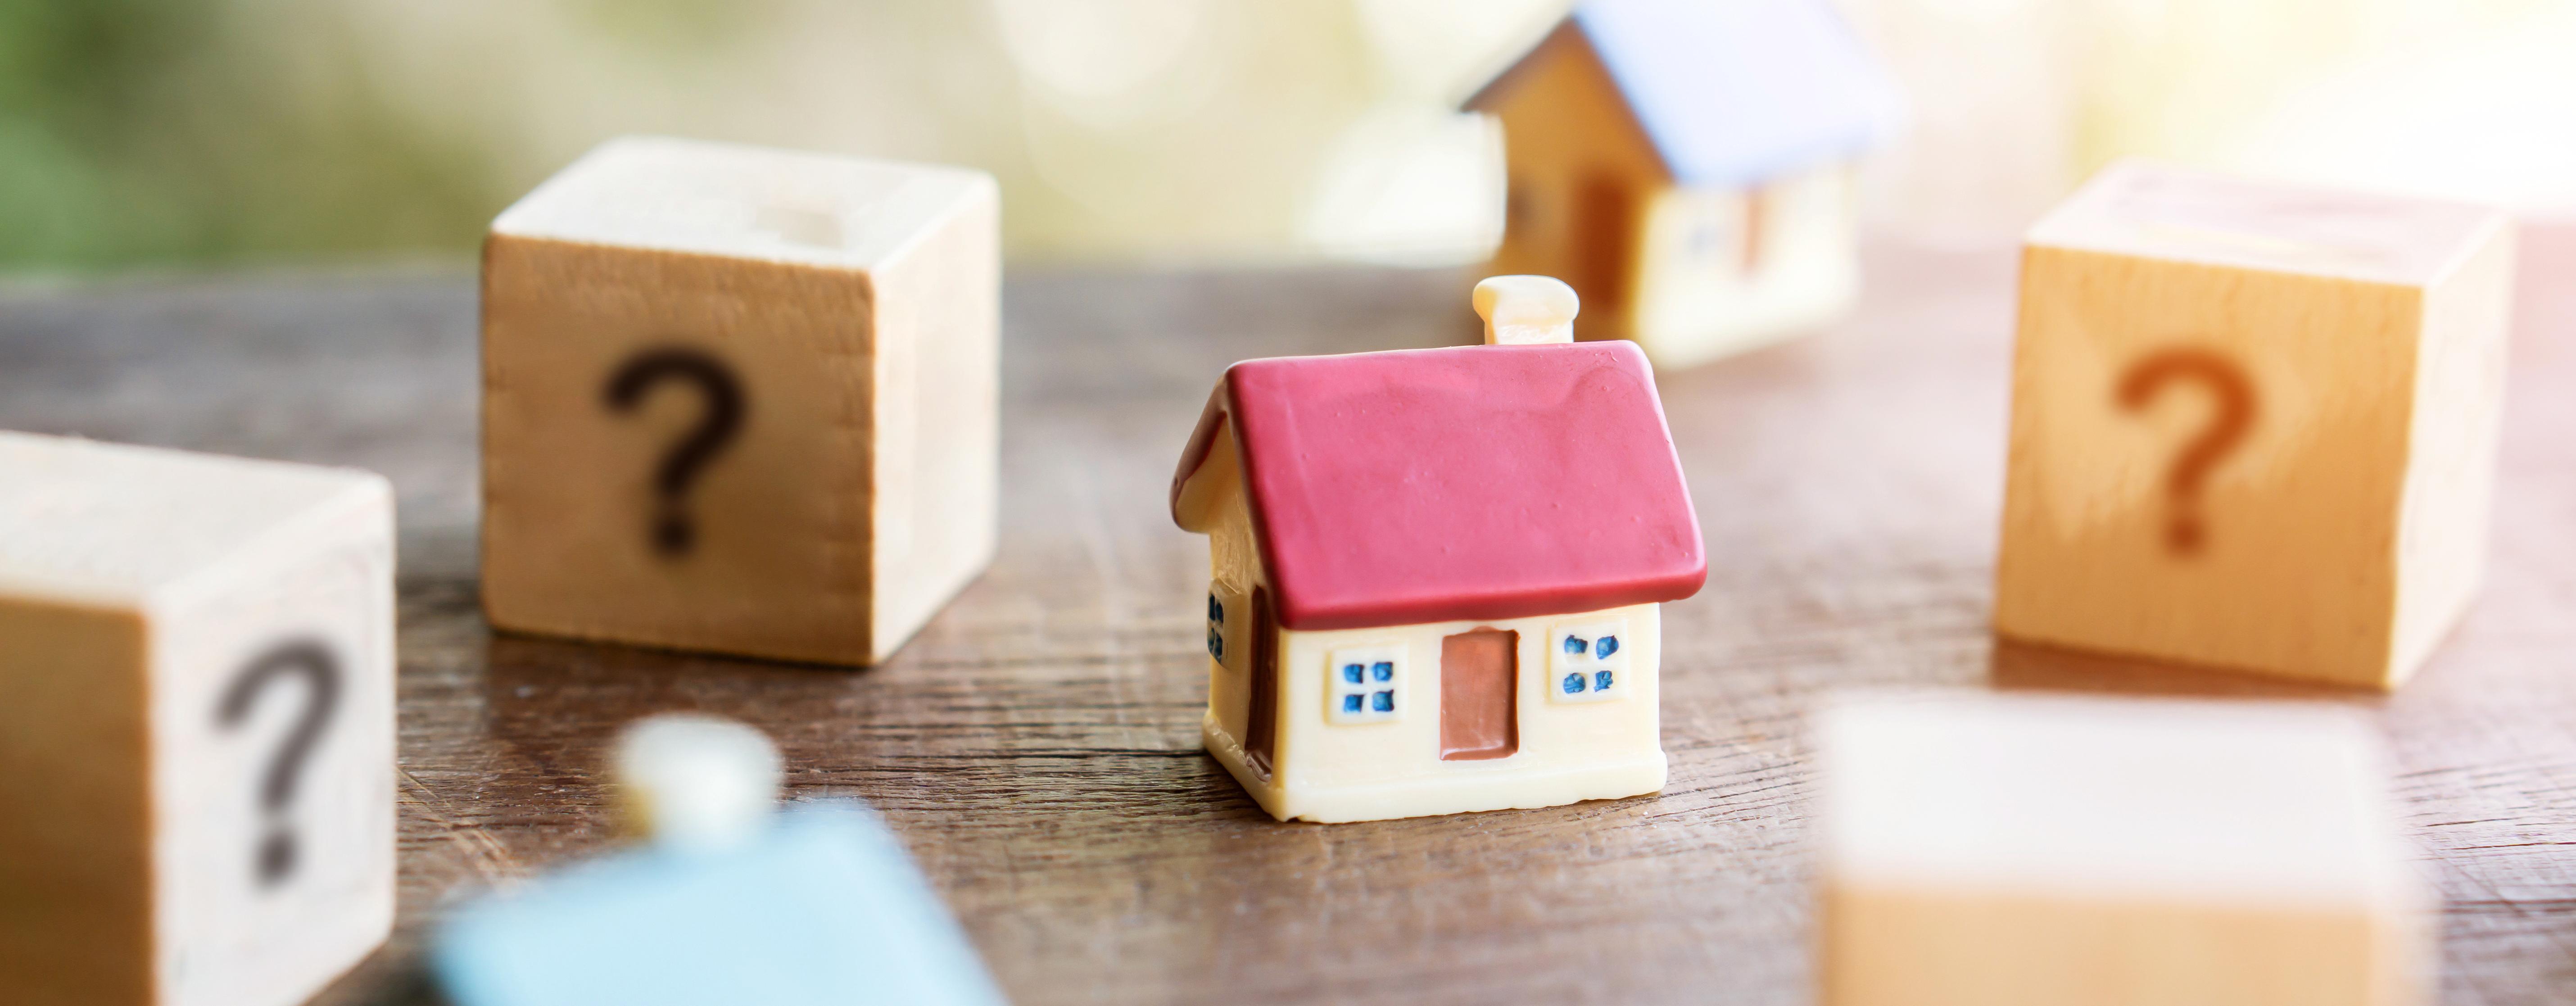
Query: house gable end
[
  {"x": 1560, "y": 105},
  {"x": 1199, "y": 484}
]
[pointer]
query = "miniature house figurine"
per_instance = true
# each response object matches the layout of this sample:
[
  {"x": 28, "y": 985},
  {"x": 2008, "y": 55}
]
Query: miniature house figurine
[
  {"x": 1687, "y": 165},
  {"x": 1436, "y": 572}
]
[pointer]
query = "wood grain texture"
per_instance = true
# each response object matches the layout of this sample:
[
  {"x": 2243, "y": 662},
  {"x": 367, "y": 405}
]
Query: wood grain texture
[
  {"x": 76, "y": 847},
  {"x": 1939, "y": 949},
  {"x": 1038, "y": 745}
]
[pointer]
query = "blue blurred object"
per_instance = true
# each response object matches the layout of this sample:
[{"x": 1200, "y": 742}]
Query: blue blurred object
[
  {"x": 1735, "y": 93},
  {"x": 824, "y": 907}
]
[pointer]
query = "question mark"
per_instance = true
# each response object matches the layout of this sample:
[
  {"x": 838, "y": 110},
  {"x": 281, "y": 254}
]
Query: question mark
[
  {"x": 321, "y": 673},
  {"x": 673, "y": 534},
  {"x": 2235, "y": 396}
]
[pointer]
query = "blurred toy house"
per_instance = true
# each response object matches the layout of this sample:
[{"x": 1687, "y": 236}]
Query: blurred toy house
[{"x": 1687, "y": 166}]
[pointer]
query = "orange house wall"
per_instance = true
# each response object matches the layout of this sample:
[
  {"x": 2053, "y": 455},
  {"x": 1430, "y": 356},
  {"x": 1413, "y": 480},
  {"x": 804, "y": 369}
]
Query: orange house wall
[{"x": 1582, "y": 175}]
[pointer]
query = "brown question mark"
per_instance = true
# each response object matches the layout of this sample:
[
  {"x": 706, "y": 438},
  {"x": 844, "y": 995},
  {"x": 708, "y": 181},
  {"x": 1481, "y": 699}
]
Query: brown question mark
[
  {"x": 673, "y": 532},
  {"x": 2234, "y": 394}
]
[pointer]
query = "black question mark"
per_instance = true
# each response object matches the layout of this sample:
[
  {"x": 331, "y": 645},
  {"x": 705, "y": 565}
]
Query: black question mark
[
  {"x": 321, "y": 673},
  {"x": 673, "y": 534}
]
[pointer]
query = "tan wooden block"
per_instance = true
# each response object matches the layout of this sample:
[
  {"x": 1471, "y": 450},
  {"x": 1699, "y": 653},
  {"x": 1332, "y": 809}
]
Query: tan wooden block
[
  {"x": 2061, "y": 851},
  {"x": 2253, "y": 426},
  {"x": 739, "y": 399},
  {"x": 196, "y": 725}
]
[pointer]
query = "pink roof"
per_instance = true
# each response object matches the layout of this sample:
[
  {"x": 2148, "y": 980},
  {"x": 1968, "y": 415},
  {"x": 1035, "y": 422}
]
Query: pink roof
[{"x": 1470, "y": 483}]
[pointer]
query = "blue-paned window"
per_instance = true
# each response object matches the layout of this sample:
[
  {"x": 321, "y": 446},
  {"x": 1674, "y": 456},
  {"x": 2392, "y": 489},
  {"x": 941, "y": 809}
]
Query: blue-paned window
[
  {"x": 1215, "y": 624},
  {"x": 1588, "y": 660},
  {"x": 1364, "y": 684}
]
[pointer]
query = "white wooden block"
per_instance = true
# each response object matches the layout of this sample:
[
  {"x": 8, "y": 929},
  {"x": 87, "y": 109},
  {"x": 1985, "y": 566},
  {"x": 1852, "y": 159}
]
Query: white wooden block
[
  {"x": 740, "y": 399},
  {"x": 196, "y": 725},
  {"x": 2006, "y": 850}
]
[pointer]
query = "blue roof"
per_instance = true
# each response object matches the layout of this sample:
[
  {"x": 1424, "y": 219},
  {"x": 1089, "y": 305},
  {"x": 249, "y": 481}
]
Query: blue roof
[
  {"x": 1734, "y": 92},
  {"x": 824, "y": 909}
]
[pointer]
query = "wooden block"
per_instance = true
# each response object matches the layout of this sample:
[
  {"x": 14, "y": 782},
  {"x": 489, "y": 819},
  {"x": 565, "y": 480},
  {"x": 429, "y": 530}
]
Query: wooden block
[
  {"x": 740, "y": 400},
  {"x": 2049, "y": 851},
  {"x": 2253, "y": 426},
  {"x": 196, "y": 725}
]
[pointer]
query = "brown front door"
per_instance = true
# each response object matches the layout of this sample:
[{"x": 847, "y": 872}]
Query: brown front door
[
  {"x": 1480, "y": 695},
  {"x": 1261, "y": 733}
]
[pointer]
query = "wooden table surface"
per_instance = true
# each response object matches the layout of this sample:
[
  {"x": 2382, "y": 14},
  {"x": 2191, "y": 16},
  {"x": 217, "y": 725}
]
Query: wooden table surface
[{"x": 1038, "y": 746}]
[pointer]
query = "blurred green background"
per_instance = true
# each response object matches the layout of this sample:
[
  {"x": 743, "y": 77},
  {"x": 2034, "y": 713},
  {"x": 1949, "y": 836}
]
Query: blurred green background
[
  {"x": 154, "y": 131},
  {"x": 190, "y": 133}
]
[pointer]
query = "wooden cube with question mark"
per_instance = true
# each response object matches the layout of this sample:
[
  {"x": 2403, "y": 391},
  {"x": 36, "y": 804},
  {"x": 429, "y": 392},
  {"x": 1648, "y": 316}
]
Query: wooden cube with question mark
[
  {"x": 2253, "y": 426},
  {"x": 196, "y": 725},
  {"x": 740, "y": 400}
]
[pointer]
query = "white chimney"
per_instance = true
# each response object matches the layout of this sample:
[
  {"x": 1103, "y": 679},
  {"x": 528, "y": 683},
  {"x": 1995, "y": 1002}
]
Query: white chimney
[{"x": 1526, "y": 310}]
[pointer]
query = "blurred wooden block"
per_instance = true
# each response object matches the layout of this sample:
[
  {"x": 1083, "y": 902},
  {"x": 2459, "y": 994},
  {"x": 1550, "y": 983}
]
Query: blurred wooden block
[
  {"x": 2253, "y": 426},
  {"x": 740, "y": 400},
  {"x": 196, "y": 725},
  {"x": 2054, "y": 851}
]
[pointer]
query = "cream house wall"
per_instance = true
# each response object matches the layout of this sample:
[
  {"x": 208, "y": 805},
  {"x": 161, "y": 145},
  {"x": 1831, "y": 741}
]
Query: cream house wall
[
  {"x": 1568, "y": 751},
  {"x": 1695, "y": 300},
  {"x": 1234, "y": 560}
]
